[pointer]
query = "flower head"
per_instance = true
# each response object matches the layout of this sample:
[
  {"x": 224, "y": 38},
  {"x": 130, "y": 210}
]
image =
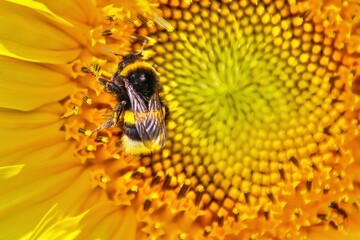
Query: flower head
[{"x": 262, "y": 137}]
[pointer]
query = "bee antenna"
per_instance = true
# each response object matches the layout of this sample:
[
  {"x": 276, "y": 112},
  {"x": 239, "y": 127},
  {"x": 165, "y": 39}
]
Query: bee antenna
[
  {"x": 118, "y": 54},
  {"x": 142, "y": 48},
  {"x": 111, "y": 51}
]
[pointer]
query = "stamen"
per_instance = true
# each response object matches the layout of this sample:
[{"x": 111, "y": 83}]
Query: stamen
[
  {"x": 87, "y": 100},
  {"x": 134, "y": 22},
  {"x": 140, "y": 171},
  {"x": 266, "y": 213},
  {"x": 332, "y": 81},
  {"x": 185, "y": 187},
  {"x": 85, "y": 132},
  {"x": 246, "y": 196},
  {"x": 356, "y": 205},
  {"x": 322, "y": 216},
  {"x": 90, "y": 148},
  {"x": 270, "y": 195},
  {"x": 70, "y": 112},
  {"x": 297, "y": 212},
  {"x": 326, "y": 189},
  {"x": 344, "y": 199},
  {"x": 167, "y": 181},
  {"x": 104, "y": 179},
  {"x": 309, "y": 183},
  {"x": 102, "y": 139},
  {"x": 337, "y": 152},
  {"x": 156, "y": 179},
  {"x": 306, "y": 15},
  {"x": 109, "y": 32},
  {"x": 133, "y": 189},
  {"x": 313, "y": 165},
  {"x": 112, "y": 17},
  {"x": 236, "y": 214},
  {"x": 220, "y": 219},
  {"x": 295, "y": 161},
  {"x": 207, "y": 231},
  {"x": 199, "y": 194},
  {"x": 282, "y": 173},
  {"x": 326, "y": 131},
  {"x": 147, "y": 204},
  {"x": 337, "y": 175}
]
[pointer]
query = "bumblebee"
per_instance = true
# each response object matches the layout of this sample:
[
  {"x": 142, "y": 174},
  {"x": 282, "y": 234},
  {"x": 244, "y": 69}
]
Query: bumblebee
[{"x": 139, "y": 110}]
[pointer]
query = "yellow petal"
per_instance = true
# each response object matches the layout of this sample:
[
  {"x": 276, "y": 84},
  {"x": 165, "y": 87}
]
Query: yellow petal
[
  {"x": 106, "y": 221},
  {"x": 17, "y": 120},
  {"x": 28, "y": 196},
  {"x": 26, "y": 86},
  {"x": 40, "y": 7},
  {"x": 30, "y": 36},
  {"x": 81, "y": 11},
  {"x": 54, "y": 226},
  {"x": 14, "y": 124},
  {"x": 10, "y": 171},
  {"x": 26, "y": 139},
  {"x": 73, "y": 23}
]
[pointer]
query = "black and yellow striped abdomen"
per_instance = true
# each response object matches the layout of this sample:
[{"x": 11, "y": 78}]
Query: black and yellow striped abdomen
[{"x": 131, "y": 140}]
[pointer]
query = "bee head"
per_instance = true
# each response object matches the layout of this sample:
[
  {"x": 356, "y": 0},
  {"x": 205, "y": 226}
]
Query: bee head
[{"x": 144, "y": 80}]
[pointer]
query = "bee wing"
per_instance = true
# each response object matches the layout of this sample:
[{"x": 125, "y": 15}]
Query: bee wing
[
  {"x": 149, "y": 118},
  {"x": 154, "y": 124}
]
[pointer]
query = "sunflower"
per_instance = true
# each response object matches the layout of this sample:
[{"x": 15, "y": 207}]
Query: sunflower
[{"x": 262, "y": 138}]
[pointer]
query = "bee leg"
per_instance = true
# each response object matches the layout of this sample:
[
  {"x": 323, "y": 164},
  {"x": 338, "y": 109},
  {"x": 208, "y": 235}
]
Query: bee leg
[
  {"x": 113, "y": 121},
  {"x": 102, "y": 81},
  {"x": 109, "y": 85},
  {"x": 105, "y": 125},
  {"x": 118, "y": 111}
]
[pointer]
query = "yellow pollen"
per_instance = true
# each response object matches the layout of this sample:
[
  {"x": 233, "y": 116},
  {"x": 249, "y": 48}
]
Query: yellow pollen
[
  {"x": 134, "y": 189},
  {"x": 90, "y": 148},
  {"x": 182, "y": 236},
  {"x": 104, "y": 179}
]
